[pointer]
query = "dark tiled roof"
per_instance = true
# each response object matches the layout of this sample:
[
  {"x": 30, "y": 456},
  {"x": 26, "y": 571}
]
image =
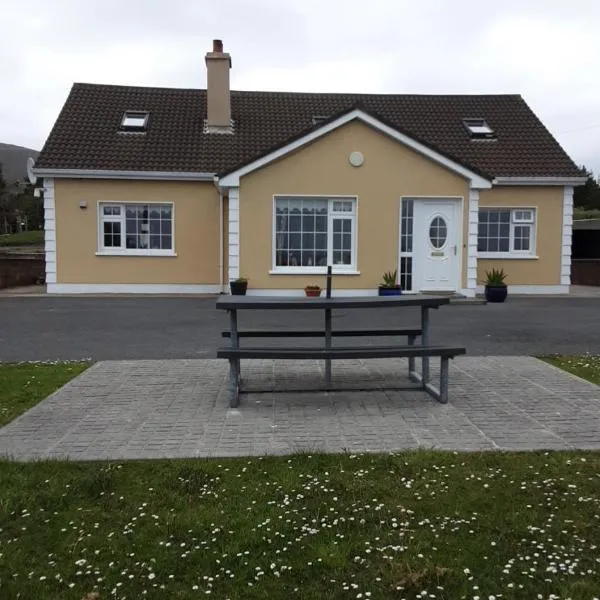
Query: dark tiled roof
[{"x": 86, "y": 134}]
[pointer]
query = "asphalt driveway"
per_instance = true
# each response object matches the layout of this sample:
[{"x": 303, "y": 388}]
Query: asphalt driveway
[{"x": 104, "y": 328}]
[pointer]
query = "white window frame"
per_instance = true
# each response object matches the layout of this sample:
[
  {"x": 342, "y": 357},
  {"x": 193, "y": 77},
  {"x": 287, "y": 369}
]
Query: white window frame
[
  {"x": 123, "y": 250},
  {"x": 350, "y": 269},
  {"x": 478, "y": 126},
  {"x": 135, "y": 114},
  {"x": 514, "y": 222},
  {"x": 407, "y": 253}
]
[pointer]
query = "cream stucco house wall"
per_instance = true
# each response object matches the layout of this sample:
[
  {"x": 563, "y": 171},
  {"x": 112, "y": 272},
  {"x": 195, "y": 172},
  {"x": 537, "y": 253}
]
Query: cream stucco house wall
[{"x": 181, "y": 191}]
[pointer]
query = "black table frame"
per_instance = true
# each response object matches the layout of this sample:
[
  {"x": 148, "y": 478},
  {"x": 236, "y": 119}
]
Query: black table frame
[{"x": 234, "y": 303}]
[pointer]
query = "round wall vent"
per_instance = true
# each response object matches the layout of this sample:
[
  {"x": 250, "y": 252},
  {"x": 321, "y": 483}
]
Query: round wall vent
[{"x": 356, "y": 158}]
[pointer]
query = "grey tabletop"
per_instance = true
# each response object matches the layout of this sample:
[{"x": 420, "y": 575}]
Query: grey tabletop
[{"x": 283, "y": 303}]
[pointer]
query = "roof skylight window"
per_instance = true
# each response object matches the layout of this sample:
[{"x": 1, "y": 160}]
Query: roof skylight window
[
  {"x": 479, "y": 129},
  {"x": 134, "y": 120}
]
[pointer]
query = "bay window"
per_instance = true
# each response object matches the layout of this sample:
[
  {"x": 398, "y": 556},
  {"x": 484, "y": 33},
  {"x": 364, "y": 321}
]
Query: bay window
[
  {"x": 311, "y": 233},
  {"x": 506, "y": 232},
  {"x": 135, "y": 228}
]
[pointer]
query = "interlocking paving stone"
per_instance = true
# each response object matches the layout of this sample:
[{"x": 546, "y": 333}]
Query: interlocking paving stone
[{"x": 180, "y": 408}]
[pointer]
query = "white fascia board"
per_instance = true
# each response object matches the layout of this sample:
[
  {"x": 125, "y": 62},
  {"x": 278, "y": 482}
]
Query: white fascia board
[
  {"x": 477, "y": 181},
  {"x": 105, "y": 174},
  {"x": 561, "y": 181}
]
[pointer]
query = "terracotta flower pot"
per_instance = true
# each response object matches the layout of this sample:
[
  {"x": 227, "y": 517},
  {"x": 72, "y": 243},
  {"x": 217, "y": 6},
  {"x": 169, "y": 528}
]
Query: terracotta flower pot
[{"x": 312, "y": 292}]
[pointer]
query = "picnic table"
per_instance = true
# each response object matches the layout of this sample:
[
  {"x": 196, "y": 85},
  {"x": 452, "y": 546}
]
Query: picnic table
[{"x": 234, "y": 352}]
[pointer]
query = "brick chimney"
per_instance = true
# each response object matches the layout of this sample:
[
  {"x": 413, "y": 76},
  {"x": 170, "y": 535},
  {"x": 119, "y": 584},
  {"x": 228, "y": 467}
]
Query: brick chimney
[{"x": 218, "y": 101}]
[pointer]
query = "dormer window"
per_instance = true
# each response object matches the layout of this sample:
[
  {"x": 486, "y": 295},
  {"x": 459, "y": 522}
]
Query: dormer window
[
  {"x": 134, "y": 120},
  {"x": 319, "y": 119},
  {"x": 479, "y": 129}
]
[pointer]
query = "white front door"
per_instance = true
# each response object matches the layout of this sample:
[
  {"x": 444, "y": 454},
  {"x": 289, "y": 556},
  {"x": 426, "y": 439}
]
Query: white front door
[{"x": 436, "y": 264}]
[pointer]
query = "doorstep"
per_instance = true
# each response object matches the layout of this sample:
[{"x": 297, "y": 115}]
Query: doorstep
[
  {"x": 460, "y": 299},
  {"x": 456, "y": 298}
]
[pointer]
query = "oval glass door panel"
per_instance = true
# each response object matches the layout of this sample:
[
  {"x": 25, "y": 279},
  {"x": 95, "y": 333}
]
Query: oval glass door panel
[{"x": 438, "y": 232}]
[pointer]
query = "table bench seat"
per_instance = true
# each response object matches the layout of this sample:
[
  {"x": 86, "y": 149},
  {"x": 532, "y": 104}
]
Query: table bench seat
[
  {"x": 340, "y": 352},
  {"x": 349, "y": 352},
  {"x": 315, "y": 333}
]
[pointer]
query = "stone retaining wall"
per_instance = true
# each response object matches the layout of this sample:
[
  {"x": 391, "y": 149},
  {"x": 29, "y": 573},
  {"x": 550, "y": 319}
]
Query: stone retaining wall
[{"x": 21, "y": 269}]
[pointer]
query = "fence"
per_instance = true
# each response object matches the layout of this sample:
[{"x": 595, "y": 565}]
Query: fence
[{"x": 585, "y": 271}]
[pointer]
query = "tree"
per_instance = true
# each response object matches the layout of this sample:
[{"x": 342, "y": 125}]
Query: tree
[
  {"x": 587, "y": 196},
  {"x": 19, "y": 208},
  {"x": 31, "y": 209},
  {"x": 4, "y": 204}
]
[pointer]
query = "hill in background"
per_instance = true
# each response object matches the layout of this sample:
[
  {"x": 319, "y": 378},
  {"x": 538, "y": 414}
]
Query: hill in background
[{"x": 14, "y": 161}]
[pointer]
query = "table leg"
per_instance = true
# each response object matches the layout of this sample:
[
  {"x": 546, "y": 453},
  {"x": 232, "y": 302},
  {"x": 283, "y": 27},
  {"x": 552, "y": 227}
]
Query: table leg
[
  {"x": 444, "y": 380},
  {"x": 234, "y": 363},
  {"x": 411, "y": 359},
  {"x": 425, "y": 342},
  {"x": 328, "y": 345}
]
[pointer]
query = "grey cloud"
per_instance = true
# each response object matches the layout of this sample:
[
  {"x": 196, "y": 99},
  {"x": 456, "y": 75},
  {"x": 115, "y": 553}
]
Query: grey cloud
[{"x": 546, "y": 50}]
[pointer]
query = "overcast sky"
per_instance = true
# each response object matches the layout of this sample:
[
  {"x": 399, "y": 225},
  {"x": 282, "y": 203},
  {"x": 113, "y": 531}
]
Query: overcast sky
[{"x": 546, "y": 50}]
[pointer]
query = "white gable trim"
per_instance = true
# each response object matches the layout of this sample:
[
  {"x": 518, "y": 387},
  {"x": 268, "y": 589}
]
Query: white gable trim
[
  {"x": 105, "y": 174},
  {"x": 567, "y": 236},
  {"x": 472, "y": 240},
  {"x": 539, "y": 181},
  {"x": 50, "y": 230},
  {"x": 234, "y": 234},
  {"x": 477, "y": 181}
]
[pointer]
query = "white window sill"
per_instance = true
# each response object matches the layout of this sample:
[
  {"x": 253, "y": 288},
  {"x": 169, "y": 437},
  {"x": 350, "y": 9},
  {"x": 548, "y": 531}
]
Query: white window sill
[
  {"x": 311, "y": 271},
  {"x": 507, "y": 256},
  {"x": 136, "y": 253}
]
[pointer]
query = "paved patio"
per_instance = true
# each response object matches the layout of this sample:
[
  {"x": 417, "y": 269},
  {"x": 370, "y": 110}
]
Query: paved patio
[{"x": 179, "y": 408}]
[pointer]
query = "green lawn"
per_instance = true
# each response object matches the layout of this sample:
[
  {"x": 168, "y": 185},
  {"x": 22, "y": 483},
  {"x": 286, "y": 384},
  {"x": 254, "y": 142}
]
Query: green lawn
[
  {"x": 586, "y": 366},
  {"x": 410, "y": 525},
  {"x": 586, "y": 214},
  {"x": 23, "y": 385},
  {"x": 25, "y": 238},
  {"x": 413, "y": 525}
]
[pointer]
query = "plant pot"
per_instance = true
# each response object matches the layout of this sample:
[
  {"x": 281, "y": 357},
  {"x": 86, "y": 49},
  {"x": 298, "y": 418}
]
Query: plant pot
[
  {"x": 495, "y": 293},
  {"x": 312, "y": 293},
  {"x": 390, "y": 291},
  {"x": 238, "y": 288}
]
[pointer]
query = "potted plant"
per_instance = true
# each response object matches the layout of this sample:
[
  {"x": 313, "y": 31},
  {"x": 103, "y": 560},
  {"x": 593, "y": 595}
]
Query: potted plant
[
  {"x": 238, "y": 286},
  {"x": 495, "y": 288},
  {"x": 312, "y": 291},
  {"x": 390, "y": 287}
]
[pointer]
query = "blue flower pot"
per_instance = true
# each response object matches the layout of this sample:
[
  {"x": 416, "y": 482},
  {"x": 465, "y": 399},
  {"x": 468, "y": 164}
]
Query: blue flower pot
[
  {"x": 495, "y": 293},
  {"x": 395, "y": 291}
]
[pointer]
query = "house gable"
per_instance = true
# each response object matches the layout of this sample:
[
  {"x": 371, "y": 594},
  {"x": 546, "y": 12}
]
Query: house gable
[{"x": 477, "y": 181}]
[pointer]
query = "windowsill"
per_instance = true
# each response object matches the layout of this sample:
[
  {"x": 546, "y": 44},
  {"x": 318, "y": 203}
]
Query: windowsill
[
  {"x": 136, "y": 253},
  {"x": 506, "y": 256},
  {"x": 311, "y": 271}
]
